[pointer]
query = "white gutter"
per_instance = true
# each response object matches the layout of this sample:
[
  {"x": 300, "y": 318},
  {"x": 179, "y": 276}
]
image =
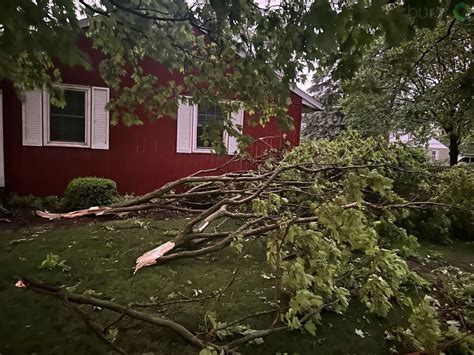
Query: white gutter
[
  {"x": 83, "y": 23},
  {"x": 308, "y": 100}
]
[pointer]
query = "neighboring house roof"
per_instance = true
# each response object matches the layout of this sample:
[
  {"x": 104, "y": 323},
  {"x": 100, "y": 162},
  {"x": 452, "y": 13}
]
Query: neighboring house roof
[
  {"x": 409, "y": 139},
  {"x": 436, "y": 144},
  {"x": 308, "y": 101}
]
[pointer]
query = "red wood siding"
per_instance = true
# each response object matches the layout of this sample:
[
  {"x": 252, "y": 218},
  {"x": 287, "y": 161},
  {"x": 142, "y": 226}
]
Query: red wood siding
[{"x": 139, "y": 159}]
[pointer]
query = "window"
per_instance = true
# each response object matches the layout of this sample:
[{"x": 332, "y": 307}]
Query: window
[
  {"x": 69, "y": 126},
  {"x": 434, "y": 155},
  {"x": 209, "y": 123},
  {"x": 82, "y": 123},
  {"x": 197, "y": 123}
]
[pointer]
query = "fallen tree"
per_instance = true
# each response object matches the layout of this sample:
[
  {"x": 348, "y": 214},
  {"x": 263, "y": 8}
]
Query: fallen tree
[{"x": 328, "y": 211}]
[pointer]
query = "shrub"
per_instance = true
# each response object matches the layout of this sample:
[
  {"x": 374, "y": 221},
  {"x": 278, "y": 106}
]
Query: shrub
[
  {"x": 85, "y": 192},
  {"x": 27, "y": 201},
  {"x": 50, "y": 203}
]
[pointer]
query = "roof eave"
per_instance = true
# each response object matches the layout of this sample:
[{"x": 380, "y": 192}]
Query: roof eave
[
  {"x": 307, "y": 100},
  {"x": 83, "y": 23}
]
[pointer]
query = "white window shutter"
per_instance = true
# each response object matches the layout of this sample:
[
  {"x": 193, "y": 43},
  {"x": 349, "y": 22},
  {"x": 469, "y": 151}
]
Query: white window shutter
[
  {"x": 237, "y": 122},
  {"x": 32, "y": 112},
  {"x": 100, "y": 118},
  {"x": 184, "y": 131}
]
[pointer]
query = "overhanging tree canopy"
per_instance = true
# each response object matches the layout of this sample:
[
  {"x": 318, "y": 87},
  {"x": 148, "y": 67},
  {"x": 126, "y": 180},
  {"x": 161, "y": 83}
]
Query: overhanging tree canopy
[{"x": 267, "y": 48}]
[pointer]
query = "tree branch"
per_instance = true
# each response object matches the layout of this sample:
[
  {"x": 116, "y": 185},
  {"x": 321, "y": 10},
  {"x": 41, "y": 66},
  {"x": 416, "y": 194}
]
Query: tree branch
[{"x": 62, "y": 294}]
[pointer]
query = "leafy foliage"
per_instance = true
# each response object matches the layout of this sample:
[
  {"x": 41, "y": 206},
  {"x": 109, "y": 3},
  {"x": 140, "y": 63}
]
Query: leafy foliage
[
  {"x": 85, "y": 192},
  {"x": 350, "y": 253},
  {"x": 49, "y": 203},
  {"x": 458, "y": 189},
  {"x": 426, "y": 332},
  {"x": 455, "y": 187},
  {"x": 421, "y": 87},
  {"x": 346, "y": 253},
  {"x": 230, "y": 48},
  {"x": 32, "y": 34},
  {"x": 456, "y": 290},
  {"x": 52, "y": 262}
]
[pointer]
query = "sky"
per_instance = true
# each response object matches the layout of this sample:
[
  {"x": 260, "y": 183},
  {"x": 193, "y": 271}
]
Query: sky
[{"x": 305, "y": 85}]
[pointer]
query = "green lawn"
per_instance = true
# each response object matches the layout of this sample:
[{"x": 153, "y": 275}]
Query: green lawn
[
  {"x": 458, "y": 254},
  {"x": 102, "y": 256}
]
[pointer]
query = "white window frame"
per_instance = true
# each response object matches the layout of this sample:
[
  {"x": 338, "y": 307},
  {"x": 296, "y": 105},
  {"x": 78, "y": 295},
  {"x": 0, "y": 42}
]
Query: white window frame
[
  {"x": 435, "y": 157},
  {"x": 194, "y": 147},
  {"x": 87, "y": 119}
]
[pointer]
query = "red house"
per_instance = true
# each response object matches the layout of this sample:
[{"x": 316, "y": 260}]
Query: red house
[{"x": 43, "y": 147}]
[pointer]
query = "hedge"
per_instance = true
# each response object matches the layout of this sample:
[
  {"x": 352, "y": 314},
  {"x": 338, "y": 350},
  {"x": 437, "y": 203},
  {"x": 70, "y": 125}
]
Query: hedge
[{"x": 85, "y": 192}]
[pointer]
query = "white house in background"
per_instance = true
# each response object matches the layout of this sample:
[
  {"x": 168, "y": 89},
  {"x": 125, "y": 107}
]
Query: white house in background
[{"x": 436, "y": 150}]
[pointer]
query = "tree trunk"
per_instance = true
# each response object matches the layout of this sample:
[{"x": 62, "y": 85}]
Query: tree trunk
[{"x": 453, "y": 148}]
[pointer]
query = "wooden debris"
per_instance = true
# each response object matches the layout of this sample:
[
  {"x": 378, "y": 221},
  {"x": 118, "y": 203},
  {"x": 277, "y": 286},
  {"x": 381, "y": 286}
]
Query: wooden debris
[
  {"x": 150, "y": 257},
  {"x": 96, "y": 211}
]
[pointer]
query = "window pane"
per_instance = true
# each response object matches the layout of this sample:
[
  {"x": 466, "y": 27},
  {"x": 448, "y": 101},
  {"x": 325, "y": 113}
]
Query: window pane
[
  {"x": 210, "y": 120},
  {"x": 68, "y": 124}
]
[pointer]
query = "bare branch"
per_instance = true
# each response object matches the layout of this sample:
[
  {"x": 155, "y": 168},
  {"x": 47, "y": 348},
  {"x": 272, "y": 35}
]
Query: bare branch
[{"x": 62, "y": 294}]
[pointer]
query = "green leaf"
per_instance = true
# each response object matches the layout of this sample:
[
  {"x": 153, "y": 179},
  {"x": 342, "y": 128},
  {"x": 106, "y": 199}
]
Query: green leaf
[
  {"x": 310, "y": 327},
  {"x": 208, "y": 351}
]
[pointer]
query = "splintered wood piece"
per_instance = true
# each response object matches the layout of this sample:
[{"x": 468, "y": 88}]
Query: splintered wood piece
[
  {"x": 98, "y": 211},
  {"x": 149, "y": 258}
]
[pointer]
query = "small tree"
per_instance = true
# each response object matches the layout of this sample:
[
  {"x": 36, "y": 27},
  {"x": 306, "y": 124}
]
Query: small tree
[{"x": 329, "y": 122}]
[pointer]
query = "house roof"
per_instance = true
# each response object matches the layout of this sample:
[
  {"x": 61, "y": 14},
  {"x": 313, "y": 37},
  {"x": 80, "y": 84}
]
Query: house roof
[
  {"x": 308, "y": 101},
  {"x": 434, "y": 143},
  {"x": 409, "y": 139}
]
